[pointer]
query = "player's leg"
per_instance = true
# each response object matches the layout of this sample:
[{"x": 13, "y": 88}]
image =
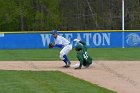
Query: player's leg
[
  {"x": 88, "y": 62},
  {"x": 63, "y": 54},
  {"x": 81, "y": 60},
  {"x": 66, "y": 50},
  {"x": 85, "y": 63}
]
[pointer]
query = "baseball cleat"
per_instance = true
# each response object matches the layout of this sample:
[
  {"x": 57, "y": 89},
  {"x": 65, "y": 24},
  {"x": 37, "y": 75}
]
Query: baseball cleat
[
  {"x": 66, "y": 66},
  {"x": 78, "y": 68},
  {"x": 69, "y": 63},
  {"x": 87, "y": 65}
]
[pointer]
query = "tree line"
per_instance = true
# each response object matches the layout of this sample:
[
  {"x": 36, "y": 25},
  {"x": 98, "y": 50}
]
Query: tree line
[{"x": 38, "y": 15}]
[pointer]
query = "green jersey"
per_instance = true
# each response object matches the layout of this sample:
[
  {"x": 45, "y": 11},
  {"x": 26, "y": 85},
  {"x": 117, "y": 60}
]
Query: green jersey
[{"x": 82, "y": 54}]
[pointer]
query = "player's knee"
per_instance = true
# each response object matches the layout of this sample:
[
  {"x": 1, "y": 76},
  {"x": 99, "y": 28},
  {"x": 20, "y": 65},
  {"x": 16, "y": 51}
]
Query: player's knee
[{"x": 61, "y": 56}]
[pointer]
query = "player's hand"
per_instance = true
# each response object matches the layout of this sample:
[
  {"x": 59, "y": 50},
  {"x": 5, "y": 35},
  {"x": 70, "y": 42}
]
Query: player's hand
[
  {"x": 76, "y": 40},
  {"x": 51, "y": 45}
]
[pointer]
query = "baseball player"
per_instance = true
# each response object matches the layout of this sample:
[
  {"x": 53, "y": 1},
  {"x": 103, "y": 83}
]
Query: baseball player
[
  {"x": 63, "y": 43},
  {"x": 82, "y": 54}
]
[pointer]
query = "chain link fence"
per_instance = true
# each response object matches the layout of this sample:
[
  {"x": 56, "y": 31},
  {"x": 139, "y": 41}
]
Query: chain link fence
[
  {"x": 99, "y": 14},
  {"x": 31, "y": 15}
]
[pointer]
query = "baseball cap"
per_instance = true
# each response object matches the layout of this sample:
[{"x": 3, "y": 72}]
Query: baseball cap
[{"x": 54, "y": 32}]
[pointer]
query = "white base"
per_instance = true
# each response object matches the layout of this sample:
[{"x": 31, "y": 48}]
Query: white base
[{"x": 75, "y": 65}]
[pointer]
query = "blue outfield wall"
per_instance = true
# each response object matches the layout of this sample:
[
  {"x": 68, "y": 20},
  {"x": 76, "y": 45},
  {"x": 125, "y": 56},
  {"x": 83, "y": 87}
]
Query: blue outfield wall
[{"x": 92, "y": 39}]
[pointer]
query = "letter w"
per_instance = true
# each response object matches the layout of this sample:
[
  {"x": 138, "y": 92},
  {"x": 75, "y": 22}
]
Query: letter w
[{"x": 46, "y": 39}]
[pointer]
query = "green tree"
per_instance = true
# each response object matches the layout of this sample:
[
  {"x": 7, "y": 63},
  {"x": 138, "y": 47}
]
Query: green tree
[{"x": 8, "y": 16}]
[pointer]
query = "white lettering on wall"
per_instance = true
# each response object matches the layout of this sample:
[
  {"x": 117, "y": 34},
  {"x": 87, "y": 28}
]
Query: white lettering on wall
[
  {"x": 68, "y": 36},
  {"x": 1, "y": 35},
  {"x": 45, "y": 39},
  {"x": 106, "y": 37},
  {"x": 97, "y": 39},
  {"x": 78, "y": 36},
  {"x": 101, "y": 39},
  {"x": 87, "y": 36}
]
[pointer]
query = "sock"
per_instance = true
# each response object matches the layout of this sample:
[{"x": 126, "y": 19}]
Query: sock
[{"x": 66, "y": 59}]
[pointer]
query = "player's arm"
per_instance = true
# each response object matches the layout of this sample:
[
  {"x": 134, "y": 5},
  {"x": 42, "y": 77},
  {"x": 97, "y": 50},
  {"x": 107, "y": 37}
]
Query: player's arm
[
  {"x": 82, "y": 43},
  {"x": 52, "y": 45},
  {"x": 79, "y": 41}
]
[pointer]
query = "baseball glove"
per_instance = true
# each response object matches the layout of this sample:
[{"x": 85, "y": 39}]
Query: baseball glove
[{"x": 51, "y": 45}]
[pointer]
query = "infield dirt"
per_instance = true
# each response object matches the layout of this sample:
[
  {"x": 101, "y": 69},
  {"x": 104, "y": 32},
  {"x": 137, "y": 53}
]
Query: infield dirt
[{"x": 120, "y": 76}]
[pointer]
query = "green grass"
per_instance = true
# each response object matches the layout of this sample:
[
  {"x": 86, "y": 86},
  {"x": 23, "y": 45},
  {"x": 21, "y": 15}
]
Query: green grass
[
  {"x": 55, "y": 82},
  {"x": 53, "y": 54},
  {"x": 126, "y": 54},
  {"x": 45, "y": 82}
]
